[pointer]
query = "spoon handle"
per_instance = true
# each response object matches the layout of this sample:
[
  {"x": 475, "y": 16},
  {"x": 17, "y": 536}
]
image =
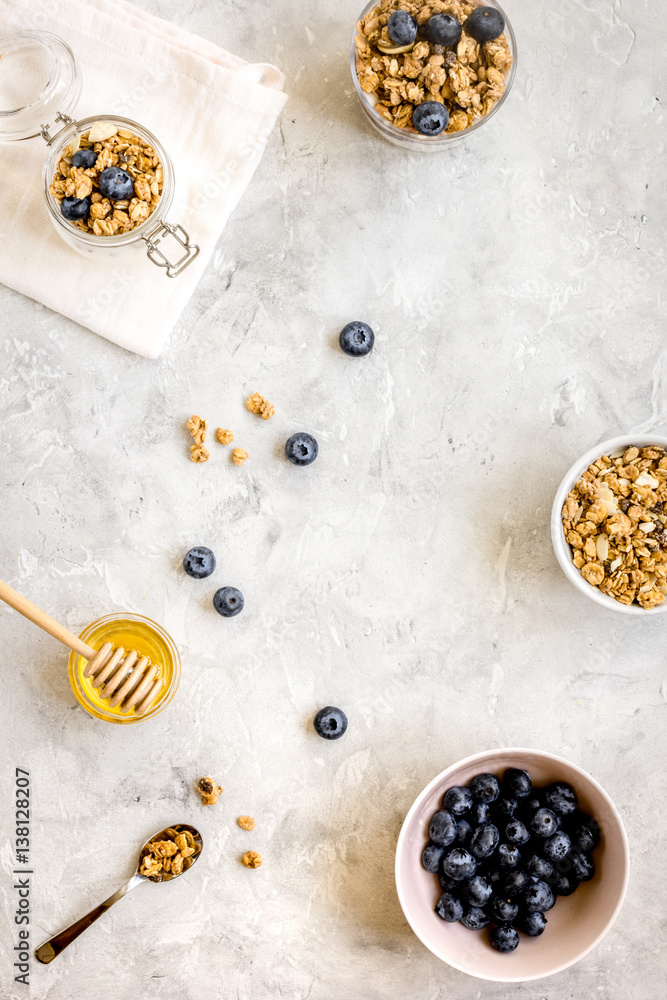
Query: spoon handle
[
  {"x": 44, "y": 621},
  {"x": 51, "y": 948}
]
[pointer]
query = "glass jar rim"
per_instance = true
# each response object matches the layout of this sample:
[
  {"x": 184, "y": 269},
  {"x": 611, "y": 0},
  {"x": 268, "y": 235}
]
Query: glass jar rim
[
  {"x": 60, "y": 93},
  {"x": 153, "y": 220}
]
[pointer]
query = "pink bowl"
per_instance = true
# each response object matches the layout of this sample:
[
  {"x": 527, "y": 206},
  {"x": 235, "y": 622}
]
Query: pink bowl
[{"x": 575, "y": 924}]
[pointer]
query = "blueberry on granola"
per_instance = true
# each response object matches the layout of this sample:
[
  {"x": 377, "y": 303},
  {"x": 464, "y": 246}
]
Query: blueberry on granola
[
  {"x": 402, "y": 27},
  {"x": 430, "y": 118},
  {"x": 75, "y": 208},
  {"x": 199, "y": 562},
  {"x": 356, "y": 339},
  {"x": 228, "y": 601},
  {"x": 443, "y": 29},
  {"x": 85, "y": 159},
  {"x": 330, "y": 723},
  {"x": 301, "y": 448},
  {"x": 485, "y": 24},
  {"x": 116, "y": 184}
]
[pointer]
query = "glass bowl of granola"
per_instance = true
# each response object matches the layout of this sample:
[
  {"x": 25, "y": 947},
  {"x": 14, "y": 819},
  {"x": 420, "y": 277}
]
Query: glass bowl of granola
[
  {"x": 443, "y": 69},
  {"x": 609, "y": 524}
]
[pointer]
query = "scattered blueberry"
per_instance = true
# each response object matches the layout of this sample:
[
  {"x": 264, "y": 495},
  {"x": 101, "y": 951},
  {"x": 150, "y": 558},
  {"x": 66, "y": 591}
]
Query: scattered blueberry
[
  {"x": 457, "y": 800},
  {"x": 442, "y": 830},
  {"x": 485, "y": 788},
  {"x": 330, "y": 723},
  {"x": 475, "y": 919},
  {"x": 585, "y": 834},
  {"x": 516, "y": 832},
  {"x": 561, "y": 798},
  {"x": 449, "y": 908},
  {"x": 477, "y": 891},
  {"x": 538, "y": 897},
  {"x": 301, "y": 448},
  {"x": 199, "y": 562},
  {"x": 557, "y": 847},
  {"x": 356, "y": 339},
  {"x": 116, "y": 184},
  {"x": 228, "y": 601},
  {"x": 430, "y": 118},
  {"x": 75, "y": 208},
  {"x": 402, "y": 27},
  {"x": 463, "y": 832},
  {"x": 459, "y": 863},
  {"x": 485, "y": 24},
  {"x": 503, "y": 910},
  {"x": 509, "y": 855},
  {"x": 484, "y": 840},
  {"x": 84, "y": 159},
  {"x": 443, "y": 29},
  {"x": 543, "y": 822},
  {"x": 503, "y": 938},
  {"x": 532, "y": 924},
  {"x": 582, "y": 866},
  {"x": 432, "y": 856},
  {"x": 517, "y": 782},
  {"x": 538, "y": 866}
]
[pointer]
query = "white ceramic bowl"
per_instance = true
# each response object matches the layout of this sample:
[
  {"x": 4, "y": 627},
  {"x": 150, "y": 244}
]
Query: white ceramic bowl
[
  {"x": 575, "y": 924},
  {"x": 561, "y": 547}
]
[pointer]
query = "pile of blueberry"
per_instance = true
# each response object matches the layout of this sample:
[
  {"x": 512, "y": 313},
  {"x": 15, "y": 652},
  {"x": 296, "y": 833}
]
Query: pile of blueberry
[{"x": 503, "y": 851}]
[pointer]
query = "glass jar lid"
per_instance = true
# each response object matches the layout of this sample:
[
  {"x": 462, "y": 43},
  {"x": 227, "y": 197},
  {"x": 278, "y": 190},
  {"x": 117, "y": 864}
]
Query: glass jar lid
[{"x": 38, "y": 79}]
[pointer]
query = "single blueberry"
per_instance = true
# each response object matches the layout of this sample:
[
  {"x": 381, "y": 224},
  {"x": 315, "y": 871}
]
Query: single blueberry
[
  {"x": 532, "y": 924},
  {"x": 509, "y": 855},
  {"x": 504, "y": 809},
  {"x": 504, "y": 939},
  {"x": 458, "y": 800},
  {"x": 84, "y": 159},
  {"x": 477, "y": 891},
  {"x": 301, "y": 448},
  {"x": 484, "y": 840},
  {"x": 479, "y": 813},
  {"x": 475, "y": 919},
  {"x": 430, "y": 118},
  {"x": 538, "y": 866},
  {"x": 557, "y": 846},
  {"x": 442, "y": 830},
  {"x": 503, "y": 910},
  {"x": 543, "y": 822},
  {"x": 517, "y": 782},
  {"x": 582, "y": 866},
  {"x": 116, "y": 184},
  {"x": 449, "y": 884},
  {"x": 459, "y": 863},
  {"x": 330, "y": 723},
  {"x": 449, "y": 908},
  {"x": 516, "y": 880},
  {"x": 432, "y": 855},
  {"x": 561, "y": 798},
  {"x": 538, "y": 897},
  {"x": 199, "y": 562},
  {"x": 443, "y": 29},
  {"x": 516, "y": 832},
  {"x": 585, "y": 834},
  {"x": 485, "y": 24},
  {"x": 74, "y": 208},
  {"x": 228, "y": 601},
  {"x": 563, "y": 883},
  {"x": 356, "y": 339},
  {"x": 402, "y": 27},
  {"x": 463, "y": 832},
  {"x": 485, "y": 788}
]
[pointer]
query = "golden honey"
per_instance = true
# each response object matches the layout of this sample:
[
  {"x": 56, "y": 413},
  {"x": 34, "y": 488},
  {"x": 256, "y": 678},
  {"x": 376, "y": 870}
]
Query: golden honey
[{"x": 131, "y": 632}]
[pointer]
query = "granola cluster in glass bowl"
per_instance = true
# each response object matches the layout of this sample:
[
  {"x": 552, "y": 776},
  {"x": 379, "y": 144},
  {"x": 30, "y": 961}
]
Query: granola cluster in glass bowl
[{"x": 464, "y": 81}]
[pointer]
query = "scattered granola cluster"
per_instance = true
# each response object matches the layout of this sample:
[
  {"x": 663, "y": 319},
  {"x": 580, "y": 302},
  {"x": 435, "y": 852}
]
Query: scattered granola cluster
[
  {"x": 246, "y": 822},
  {"x": 115, "y": 147},
  {"x": 257, "y": 404},
  {"x": 468, "y": 78},
  {"x": 615, "y": 522},
  {"x": 239, "y": 455},
  {"x": 224, "y": 436},
  {"x": 197, "y": 428},
  {"x": 169, "y": 856},
  {"x": 251, "y": 859},
  {"x": 209, "y": 791}
]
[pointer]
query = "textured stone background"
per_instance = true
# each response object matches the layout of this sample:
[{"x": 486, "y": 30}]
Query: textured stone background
[{"x": 515, "y": 287}]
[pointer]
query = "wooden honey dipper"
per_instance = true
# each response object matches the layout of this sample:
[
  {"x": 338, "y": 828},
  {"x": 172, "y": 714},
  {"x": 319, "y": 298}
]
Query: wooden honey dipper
[{"x": 126, "y": 679}]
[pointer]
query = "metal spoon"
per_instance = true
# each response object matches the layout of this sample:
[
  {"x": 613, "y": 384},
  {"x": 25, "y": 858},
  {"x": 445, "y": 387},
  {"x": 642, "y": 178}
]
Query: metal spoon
[{"x": 51, "y": 948}]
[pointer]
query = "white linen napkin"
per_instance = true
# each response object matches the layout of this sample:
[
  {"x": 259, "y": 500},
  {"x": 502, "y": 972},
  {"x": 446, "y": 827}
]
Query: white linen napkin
[{"x": 212, "y": 112}]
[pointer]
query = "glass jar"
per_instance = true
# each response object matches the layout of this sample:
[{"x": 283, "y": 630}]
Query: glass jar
[
  {"x": 39, "y": 87},
  {"x": 131, "y": 632},
  {"x": 409, "y": 138}
]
